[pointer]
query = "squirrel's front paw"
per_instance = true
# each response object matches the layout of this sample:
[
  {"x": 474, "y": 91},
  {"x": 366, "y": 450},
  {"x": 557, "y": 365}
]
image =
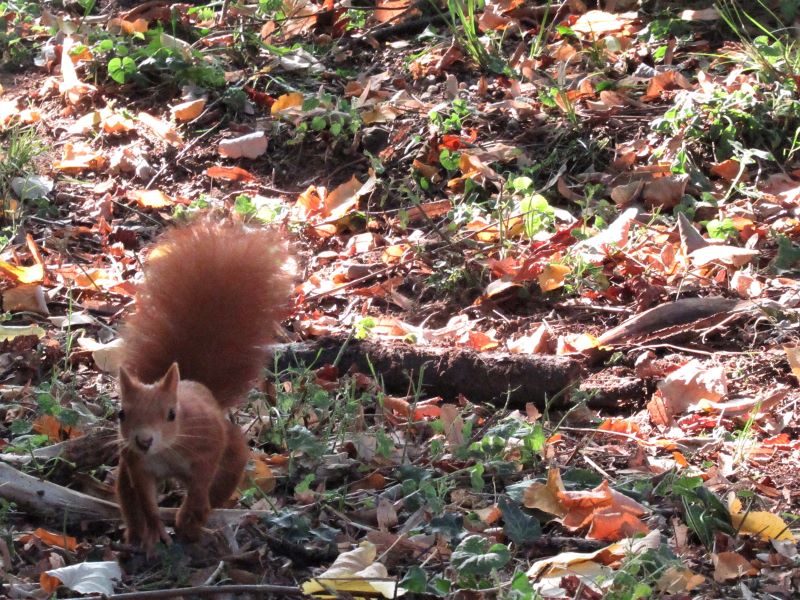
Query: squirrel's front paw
[
  {"x": 151, "y": 535},
  {"x": 189, "y": 524}
]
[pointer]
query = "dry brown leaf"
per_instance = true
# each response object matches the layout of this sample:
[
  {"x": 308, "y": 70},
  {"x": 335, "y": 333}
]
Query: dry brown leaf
[
  {"x": 692, "y": 384},
  {"x": 553, "y": 276},
  {"x": 728, "y": 255},
  {"x": 731, "y": 565},
  {"x": 29, "y": 298},
  {"x": 79, "y": 157},
  {"x": 161, "y": 128},
  {"x": 665, "y": 192},
  {"x": 727, "y": 169}
]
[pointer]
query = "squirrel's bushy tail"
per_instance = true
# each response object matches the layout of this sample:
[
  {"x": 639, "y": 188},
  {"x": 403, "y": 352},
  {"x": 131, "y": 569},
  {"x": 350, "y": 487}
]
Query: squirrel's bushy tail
[{"x": 211, "y": 299}]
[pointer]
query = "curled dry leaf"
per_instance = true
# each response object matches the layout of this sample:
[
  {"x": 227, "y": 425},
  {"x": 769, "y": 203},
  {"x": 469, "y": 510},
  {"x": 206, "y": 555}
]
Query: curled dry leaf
[
  {"x": 150, "y": 198},
  {"x": 31, "y": 274},
  {"x": 691, "y": 385},
  {"x": 352, "y": 572},
  {"x": 79, "y": 157},
  {"x": 29, "y": 298},
  {"x": 609, "y": 514},
  {"x": 189, "y": 110},
  {"x": 286, "y": 101},
  {"x": 552, "y": 276},
  {"x": 598, "y": 23},
  {"x": 728, "y": 255},
  {"x": 107, "y": 357},
  {"x": 665, "y": 192},
  {"x": 161, "y": 128},
  {"x": 230, "y": 173},
  {"x": 251, "y": 145},
  {"x": 731, "y": 565},
  {"x": 88, "y": 577}
]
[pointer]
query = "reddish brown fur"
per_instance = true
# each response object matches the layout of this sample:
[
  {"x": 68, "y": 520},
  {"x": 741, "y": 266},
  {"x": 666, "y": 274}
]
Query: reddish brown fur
[
  {"x": 195, "y": 346},
  {"x": 209, "y": 303}
]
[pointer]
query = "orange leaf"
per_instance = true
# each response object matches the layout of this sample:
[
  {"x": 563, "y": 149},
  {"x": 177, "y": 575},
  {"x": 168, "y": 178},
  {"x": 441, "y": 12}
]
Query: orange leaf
[
  {"x": 187, "y": 111},
  {"x": 259, "y": 473},
  {"x": 48, "y": 583},
  {"x": 373, "y": 481},
  {"x": 53, "y": 539},
  {"x": 230, "y": 173},
  {"x": 286, "y": 101},
  {"x": 54, "y": 429}
]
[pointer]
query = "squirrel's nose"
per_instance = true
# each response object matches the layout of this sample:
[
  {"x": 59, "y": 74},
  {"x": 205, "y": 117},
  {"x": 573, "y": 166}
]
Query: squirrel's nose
[{"x": 144, "y": 442}]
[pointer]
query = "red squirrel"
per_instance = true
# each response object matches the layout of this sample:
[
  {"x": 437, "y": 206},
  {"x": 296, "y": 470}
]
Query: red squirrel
[{"x": 196, "y": 344}]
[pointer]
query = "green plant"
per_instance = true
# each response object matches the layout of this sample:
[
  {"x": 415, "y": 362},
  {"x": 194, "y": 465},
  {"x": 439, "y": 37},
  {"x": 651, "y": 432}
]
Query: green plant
[
  {"x": 722, "y": 229},
  {"x": 336, "y": 119},
  {"x": 19, "y": 20},
  {"x": 19, "y": 148},
  {"x": 703, "y": 512},
  {"x": 463, "y": 13},
  {"x": 772, "y": 56},
  {"x": 453, "y": 119}
]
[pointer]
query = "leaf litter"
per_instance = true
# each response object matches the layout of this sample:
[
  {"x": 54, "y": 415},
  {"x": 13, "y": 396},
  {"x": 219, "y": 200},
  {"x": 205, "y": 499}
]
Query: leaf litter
[{"x": 614, "y": 184}]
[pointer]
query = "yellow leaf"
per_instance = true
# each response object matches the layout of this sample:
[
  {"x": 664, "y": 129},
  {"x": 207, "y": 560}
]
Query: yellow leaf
[
  {"x": 552, "y": 277},
  {"x": 150, "y": 198},
  {"x": 353, "y": 572},
  {"x": 260, "y": 474},
  {"x": 32, "y": 274},
  {"x": 291, "y": 100},
  {"x": 763, "y": 524}
]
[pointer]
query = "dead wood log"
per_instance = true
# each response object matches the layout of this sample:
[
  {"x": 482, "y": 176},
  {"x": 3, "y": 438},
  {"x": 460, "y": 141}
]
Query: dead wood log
[
  {"x": 493, "y": 377},
  {"x": 50, "y": 502}
]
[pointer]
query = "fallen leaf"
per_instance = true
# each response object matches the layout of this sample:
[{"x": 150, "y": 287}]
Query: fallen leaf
[
  {"x": 766, "y": 525},
  {"x": 189, "y": 110},
  {"x": 729, "y": 255},
  {"x": 286, "y": 101},
  {"x": 553, "y": 276},
  {"x": 251, "y": 145},
  {"x": 731, "y": 565},
  {"x": 353, "y": 572},
  {"x": 230, "y": 173},
  {"x": 89, "y": 577},
  {"x": 161, "y": 128},
  {"x": 150, "y": 198}
]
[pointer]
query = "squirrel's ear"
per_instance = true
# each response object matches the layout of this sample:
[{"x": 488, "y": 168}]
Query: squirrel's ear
[
  {"x": 125, "y": 381},
  {"x": 169, "y": 383}
]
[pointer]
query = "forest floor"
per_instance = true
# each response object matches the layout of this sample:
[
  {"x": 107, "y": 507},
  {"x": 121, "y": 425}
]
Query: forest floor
[{"x": 544, "y": 330}]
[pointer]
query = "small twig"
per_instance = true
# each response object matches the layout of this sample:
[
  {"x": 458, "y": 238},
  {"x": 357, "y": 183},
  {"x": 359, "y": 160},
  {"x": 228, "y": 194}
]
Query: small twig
[
  {"x": 215, "y": 574},
  {"x": 211, "y": 590}
]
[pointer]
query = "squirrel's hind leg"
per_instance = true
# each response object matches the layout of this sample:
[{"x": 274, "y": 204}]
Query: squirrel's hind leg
[{"x": 231, "y": 466}]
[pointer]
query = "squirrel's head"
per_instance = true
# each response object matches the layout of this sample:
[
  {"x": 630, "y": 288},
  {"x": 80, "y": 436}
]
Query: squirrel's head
[{"x": 148, "y": 417}]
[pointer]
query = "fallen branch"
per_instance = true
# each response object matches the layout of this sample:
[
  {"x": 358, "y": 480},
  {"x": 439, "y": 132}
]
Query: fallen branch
[
  {"x": 495, "y": 377},
  {"x": 49, "y": 501}
]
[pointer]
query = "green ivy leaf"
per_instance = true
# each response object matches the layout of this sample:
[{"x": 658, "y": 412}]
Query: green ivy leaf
[
  {"x": 474, "y": 556},
  {"x": 520, "y": 528}
]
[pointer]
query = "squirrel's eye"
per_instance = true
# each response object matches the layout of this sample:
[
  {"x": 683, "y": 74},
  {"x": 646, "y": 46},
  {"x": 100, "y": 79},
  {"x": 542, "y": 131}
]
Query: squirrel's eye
[
  {"x": 121, "y": 415},
  {"x": 171, "y": 414}
]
